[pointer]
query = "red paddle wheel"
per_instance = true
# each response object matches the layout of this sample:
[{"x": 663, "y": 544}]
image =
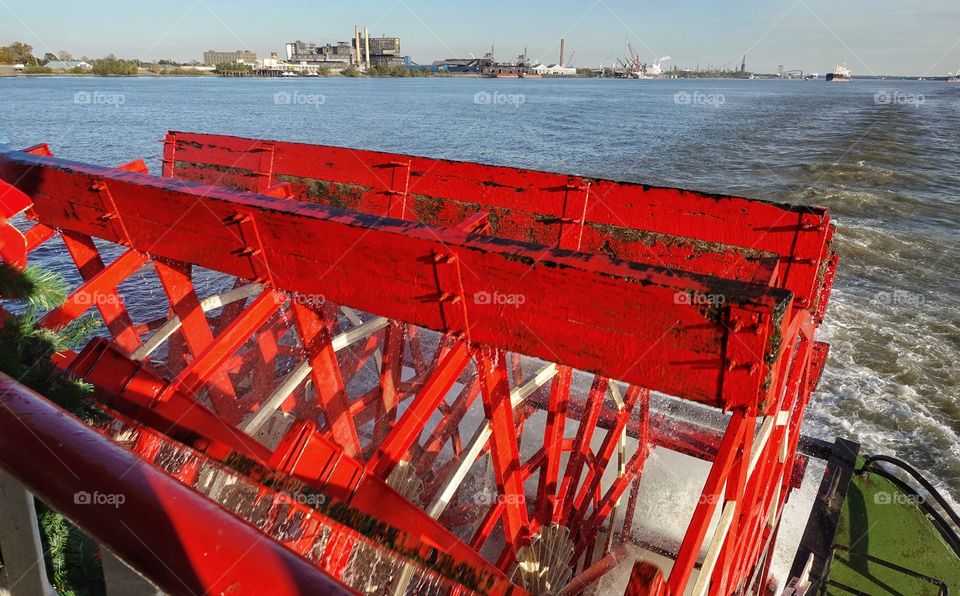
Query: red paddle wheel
[{"x": 420, "y": 375}]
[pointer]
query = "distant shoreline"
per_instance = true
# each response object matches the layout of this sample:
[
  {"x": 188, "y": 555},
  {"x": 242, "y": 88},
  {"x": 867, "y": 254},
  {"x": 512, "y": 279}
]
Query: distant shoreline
[{"x": 455, "y": 75}]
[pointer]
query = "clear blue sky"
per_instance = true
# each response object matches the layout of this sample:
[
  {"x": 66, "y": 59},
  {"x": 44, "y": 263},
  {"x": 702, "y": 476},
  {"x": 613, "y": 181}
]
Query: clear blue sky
[{"x": 872, "y": 37}]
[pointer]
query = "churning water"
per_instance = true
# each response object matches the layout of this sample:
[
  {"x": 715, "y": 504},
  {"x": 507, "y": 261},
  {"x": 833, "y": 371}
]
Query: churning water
[{"x": 884, "y": 156}]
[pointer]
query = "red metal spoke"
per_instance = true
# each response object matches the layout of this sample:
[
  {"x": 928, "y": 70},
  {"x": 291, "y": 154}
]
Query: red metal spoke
[
  {"x": 354, "y": 359},
  {"x": 548, "y": 501},
  {"x": 408, "y": 428},
  {"x": 192, "y": 378},
  {"x": 230, "y": 311},
  {"x": 588, "y": 530},
  {"x": 109, "y": 302},
  {"x": 390, "y": 375},
  {"x": 581, "y": 445},
  {"x": 504, "y": 448},
  {"x": 100, "y": 290},
  {"x": 175, "y": 277},
  {"x": 736, "y": 490},
  {"x": 487, "y": 525},
  {"x": 327, "y": 381},
  {"x": 448, "y": 428},
  {"x": 739, "y": 425},
  {"x": 591, "y": 484},
  {"x": 37, "y": 235},
  {"x": 416, "y": 351},
  {"x": 263, "y": 367},
  {"x": 633, "y": 469},
  {"x": 13, "y": 245},
  {"x": 627, "y": 529}
]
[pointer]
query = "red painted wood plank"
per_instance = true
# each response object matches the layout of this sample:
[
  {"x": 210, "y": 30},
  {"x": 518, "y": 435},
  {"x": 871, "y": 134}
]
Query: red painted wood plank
[
  {"x": 649, "y": 335},
  {"x": 795, "y": 232}
]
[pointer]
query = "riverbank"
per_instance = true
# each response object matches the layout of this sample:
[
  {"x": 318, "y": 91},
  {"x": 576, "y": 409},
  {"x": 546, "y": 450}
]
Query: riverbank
[{"x": 9, "y": 73}]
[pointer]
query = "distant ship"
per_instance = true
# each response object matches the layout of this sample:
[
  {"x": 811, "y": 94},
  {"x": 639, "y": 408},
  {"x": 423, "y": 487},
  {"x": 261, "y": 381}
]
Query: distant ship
[
  {"x": 812, "y": 76},
  {"x": 648, "y": 71},
  {"x": 840, "y": 74},
  {"x": 636, "y": 69},
  {"x": 954, "y": 78}
]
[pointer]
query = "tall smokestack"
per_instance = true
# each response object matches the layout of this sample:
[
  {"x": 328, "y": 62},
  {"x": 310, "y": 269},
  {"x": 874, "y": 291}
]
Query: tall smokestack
[
  {"x": 366, "y": 45},
  {"x": 561, "y": 50},
  {"x": 356, "y": 44}
]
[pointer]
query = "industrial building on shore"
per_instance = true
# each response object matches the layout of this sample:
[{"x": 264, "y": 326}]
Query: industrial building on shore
[
  {"x": 215, "y": 57},
  {"x": 333, "y": 56},
  {"x": 364, "y": 52},
  {"x": 308, "y": 58},
  {"x": 361, "y": 52}
]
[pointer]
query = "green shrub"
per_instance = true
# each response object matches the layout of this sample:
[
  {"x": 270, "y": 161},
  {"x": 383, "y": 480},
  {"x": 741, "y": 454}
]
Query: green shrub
[
  {"x": 71, "y": 557},
  {"x": 233, "y": 67},
  {"x": 114, "y": 66}
]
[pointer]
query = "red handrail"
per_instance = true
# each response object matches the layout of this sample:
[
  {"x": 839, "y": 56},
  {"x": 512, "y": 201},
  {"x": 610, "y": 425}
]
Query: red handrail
[{"x": 182, "y": 542}]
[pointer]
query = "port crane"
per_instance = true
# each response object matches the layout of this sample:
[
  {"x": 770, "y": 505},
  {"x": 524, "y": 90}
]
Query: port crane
[
  {"x": 635, "y": 65},
  {"x": 637, "y": 69}
]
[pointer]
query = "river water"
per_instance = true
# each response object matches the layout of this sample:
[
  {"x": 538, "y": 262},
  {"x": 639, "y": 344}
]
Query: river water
[{"x": 884, "y": 156}]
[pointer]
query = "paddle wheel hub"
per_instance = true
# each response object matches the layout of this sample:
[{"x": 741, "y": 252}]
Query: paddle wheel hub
[{"x": 424, "y": 376}]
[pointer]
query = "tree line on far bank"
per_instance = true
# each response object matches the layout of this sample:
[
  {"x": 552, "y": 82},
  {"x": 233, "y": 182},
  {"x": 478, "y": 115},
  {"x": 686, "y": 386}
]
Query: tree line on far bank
[{"x": 22, "y": 53}]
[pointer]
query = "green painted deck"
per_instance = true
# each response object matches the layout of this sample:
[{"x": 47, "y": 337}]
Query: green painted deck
[{"x": 881, "y": 521}]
